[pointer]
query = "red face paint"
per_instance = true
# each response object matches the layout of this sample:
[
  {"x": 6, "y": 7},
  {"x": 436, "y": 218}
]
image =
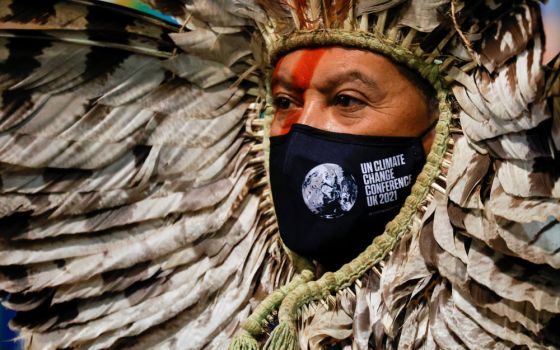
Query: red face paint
[
  {"x": 288, "y": 121},
  {"x": 277, "y": 69},
  {"x": 301, "y": 76},
  {"x": 302, "y": 73}
]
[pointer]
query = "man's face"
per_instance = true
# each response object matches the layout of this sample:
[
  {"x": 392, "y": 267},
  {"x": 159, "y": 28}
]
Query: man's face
[{"x": 347, "y": 91}]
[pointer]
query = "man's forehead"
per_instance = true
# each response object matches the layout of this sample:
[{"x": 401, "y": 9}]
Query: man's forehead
[{"x": 298, "y": 68}]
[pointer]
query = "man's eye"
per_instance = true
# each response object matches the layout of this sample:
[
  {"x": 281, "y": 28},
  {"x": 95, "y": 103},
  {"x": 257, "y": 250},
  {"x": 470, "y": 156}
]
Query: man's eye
[
  {"x": 282, "y": 103},
  {"x": 347, "y": 101}
]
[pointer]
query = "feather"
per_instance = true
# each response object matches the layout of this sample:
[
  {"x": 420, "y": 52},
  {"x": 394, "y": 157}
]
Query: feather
[
  {"x": 81, "y": 15},
  {"x": 177, "y": 160},
  {"x": 28, "y": 301},
  {"x": 203, "y": 73},
  {"x": 472, "y": 334},
  {"x": 156, "y": 336},
  {"x": 513, "y": 86},
  {"x": 441, "y": 332},
  {"x": 129, "y": 169},
  {"x": 406, "y": 275},
  {"x": 456, "y": 272},
  {"x": 51, "y": 74},
  {"x": 146, "y": 314},
  {"x": 487, "y": 129},
  {"x": 181, "y": 101},
  {"x": 110, "y": 161},
  {"x": 110, "y": 281},
  {"x": 506, "y": 31},
  {"x": 500, "y": 102},
  {"x": 133, "y": 44},
  {"x": 444, "y": 235},
  {"x": 532, "y": 144},
  {"x": 118, "y": 280},
  {"x": 536, "y": 178},
  {"x": 528, "y": 227},
  {"x": 279, "y": 14},
  {"x": 375, "y": 6},
  {"x": 337, "y": 12},
  {"x": 231, "y": 161},
  {"x": 188, "y": 271},
  {"x": 248, "y": 9},
  {"x": 367, "y": 311},
  {"x": 183, "y": 277},
  {"x": 414, "y": 327},
  {"x": 98, "y": 123},
  {"x": 197, "y": 132},
  {"x": 161, "y": 239},
  {"x": 60, "y": 205},
  {"x": 519, "y": 209},
  {"x": 506, "y": 330},
  {"x": 125, "y": 172},
  {"x": 38, "y": 152},
  {"x": 206, "y": 44},
  {"x": 325, "y": 326},
  {"x": 535, "y": 321},
  {"x": 168, "y": 7},
  {"x": 473, "y": 224},
  {"x": 501, "y": 273},
  {"x": 16, "y": 109},
  {"x": 218, "y": 13},
  {"x": 229, "y": 300},
  {"x": 143, "y": 210},
  {"x": 466, "y": 173},
  {"x": 422, "y": 15},
  {"x": 462, "y": 327},
  {"x": 146, "y": 78}
]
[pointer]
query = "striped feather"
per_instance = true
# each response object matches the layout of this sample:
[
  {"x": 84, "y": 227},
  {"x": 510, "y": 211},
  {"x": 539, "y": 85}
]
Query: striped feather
[
  {"x": 111, "y": 152},
  {"x": 225, "y": 48},
  {"x": 506, "y": 31}
]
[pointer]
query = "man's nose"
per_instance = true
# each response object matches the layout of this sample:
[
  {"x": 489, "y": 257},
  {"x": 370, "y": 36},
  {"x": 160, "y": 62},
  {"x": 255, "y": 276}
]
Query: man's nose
[{"x": 311, "y": 112}]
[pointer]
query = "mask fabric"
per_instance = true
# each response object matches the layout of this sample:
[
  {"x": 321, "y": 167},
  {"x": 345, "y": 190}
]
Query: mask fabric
[{"x": 333, "y": 193}]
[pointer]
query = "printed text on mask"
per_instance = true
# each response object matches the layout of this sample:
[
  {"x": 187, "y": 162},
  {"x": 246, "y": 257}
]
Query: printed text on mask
[{"x": 379, "y": 179}]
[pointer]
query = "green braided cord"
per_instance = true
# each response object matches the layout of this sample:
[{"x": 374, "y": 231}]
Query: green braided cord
[
  {"x": 283, "y": 336},
  {"x": 243, "y": 341},
  {"x": 298, "y": 262},
  {"x": 254, "y": 324}
]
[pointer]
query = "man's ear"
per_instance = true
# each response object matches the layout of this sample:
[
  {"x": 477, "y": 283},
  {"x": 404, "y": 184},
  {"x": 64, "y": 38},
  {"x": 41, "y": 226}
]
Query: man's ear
[{"x": 428, "y": 139}]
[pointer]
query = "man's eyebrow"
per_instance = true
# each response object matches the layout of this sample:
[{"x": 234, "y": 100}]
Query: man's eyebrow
[
  {"x": 284, "y": 82},
  {"x": 329, "y": 83},
  {"x": 332, "y": 82}
]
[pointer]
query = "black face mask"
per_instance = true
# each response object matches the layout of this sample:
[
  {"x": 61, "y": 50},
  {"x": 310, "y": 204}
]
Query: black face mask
[{"x": 333, "y": 193}]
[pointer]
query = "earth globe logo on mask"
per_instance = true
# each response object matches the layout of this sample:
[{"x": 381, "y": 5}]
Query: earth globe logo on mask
[{"x": 328, "y": 191}]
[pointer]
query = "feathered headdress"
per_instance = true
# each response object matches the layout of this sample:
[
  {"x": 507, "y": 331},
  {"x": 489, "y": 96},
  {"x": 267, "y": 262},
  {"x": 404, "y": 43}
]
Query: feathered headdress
[
  {"x": 496, "y": 108},
  {"x": 136, "y": 212}
]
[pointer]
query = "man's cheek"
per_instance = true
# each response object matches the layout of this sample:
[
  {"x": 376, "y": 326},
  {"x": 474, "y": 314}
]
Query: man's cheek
[{"x": 283, "y": 122}]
